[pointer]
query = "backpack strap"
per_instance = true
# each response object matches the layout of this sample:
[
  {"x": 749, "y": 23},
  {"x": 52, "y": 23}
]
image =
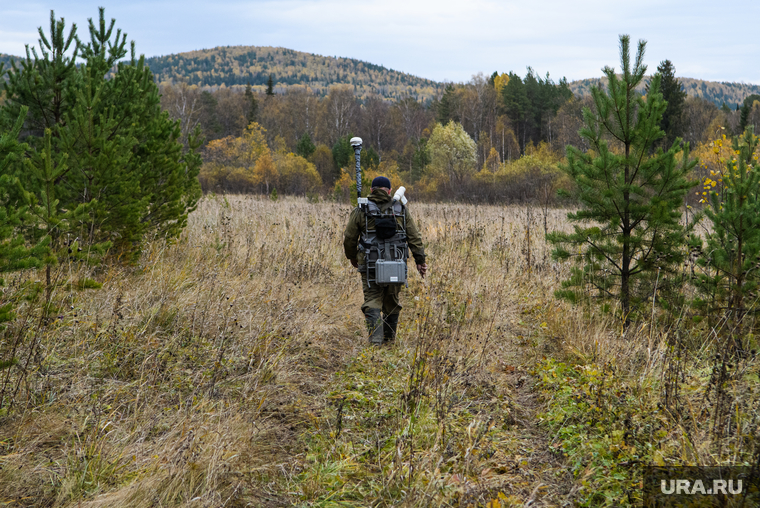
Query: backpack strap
[
  {"x": 372, "y": 208},
  {"x": 397, "y": 208}
]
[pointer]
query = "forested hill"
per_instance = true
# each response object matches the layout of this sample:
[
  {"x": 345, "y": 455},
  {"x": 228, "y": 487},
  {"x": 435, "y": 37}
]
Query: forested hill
[
  {"x": 6, "y": 59},
  {"x": 713, "y": 91},
  {"x": 238, "y": 65}
]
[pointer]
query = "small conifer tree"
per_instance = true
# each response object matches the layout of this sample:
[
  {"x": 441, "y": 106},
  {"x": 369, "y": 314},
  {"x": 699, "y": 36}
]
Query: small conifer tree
[
  {"x": 44, "y": 80},
  {"x": 125, "y": 158},
  {"x": 62, "y": 228},
  {"x": 627, "y": 230},
  {"x": 342, "y": 152},
  {"x": 445, "y": 109},
  {"x": 731, "y": 257},
  {"x": 15, "y": 252},
  {"x": 744, "y": 112}
]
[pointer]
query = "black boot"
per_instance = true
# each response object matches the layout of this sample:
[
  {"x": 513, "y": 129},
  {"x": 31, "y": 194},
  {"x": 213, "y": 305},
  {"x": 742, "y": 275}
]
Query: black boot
[
  {"x": 389, "y": 326},
  {"x": 372, "y": 317}
]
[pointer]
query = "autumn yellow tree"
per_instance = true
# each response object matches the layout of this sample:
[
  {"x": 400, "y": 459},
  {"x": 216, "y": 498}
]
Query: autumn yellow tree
[
  {"x": 323, "y": 160},
  {"x": 296, "y": 175},
  {"x": 505, "y": 139},
  {"x": 492, "y": 161},
  {"x": 452, "y": 152},
  {"x": 265, "y": 172},
  {"x": 230, "y": 162},
  {"x": 500, "y": 82},
  {"x": 252, "y": 144}
]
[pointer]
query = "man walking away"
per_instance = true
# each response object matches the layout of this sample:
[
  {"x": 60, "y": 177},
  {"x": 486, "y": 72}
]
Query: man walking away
[{"x": 381, "y": 301}]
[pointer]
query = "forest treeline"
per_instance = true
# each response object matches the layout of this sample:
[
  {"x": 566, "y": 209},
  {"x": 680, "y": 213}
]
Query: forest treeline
[
  {"x": 504, "y": 135},
  {"x": 305, "y": 108},
  {"x": 237, "y": 66}
]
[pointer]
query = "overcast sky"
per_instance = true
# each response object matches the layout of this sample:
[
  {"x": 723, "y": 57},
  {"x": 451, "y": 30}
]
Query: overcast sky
[{"x": 440, "y": 40}]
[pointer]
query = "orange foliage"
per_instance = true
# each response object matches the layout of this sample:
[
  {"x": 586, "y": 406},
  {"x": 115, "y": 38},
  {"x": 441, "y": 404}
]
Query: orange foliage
[
  {"x": 247, "y": 163},
  {"x": 713, "y": 157}
]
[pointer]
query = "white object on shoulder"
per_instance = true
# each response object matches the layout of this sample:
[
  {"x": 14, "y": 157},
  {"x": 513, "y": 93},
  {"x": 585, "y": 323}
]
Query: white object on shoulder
[{"x": 399, "y": 196}]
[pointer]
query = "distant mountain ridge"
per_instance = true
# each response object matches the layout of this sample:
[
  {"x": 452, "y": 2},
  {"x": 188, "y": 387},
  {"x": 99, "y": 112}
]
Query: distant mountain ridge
[
  {"x": 237, "y": 66},
  {"x": 717, "y": 92}
]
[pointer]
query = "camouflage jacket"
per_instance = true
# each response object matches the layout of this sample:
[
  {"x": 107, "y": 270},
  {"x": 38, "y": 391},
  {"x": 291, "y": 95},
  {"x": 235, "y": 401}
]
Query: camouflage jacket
[{"x": 356, "y": 225}]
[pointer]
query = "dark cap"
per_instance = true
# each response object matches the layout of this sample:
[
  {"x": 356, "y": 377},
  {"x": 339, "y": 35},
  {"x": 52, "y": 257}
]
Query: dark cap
[{"x": 381, "y": 181}]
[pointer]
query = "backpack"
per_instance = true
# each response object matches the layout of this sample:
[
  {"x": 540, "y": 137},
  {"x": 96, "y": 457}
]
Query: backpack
[{"x": 385, "y": 248}]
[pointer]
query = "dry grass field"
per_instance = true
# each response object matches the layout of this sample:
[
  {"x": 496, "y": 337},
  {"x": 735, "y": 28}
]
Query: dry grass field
[{"x": 230, "y": 369}]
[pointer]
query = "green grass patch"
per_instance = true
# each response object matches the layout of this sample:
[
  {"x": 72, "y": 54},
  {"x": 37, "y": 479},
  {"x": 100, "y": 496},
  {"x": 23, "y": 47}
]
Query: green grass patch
[
  {"x": 605, "y": 432},
  {"x": 394, "y": 436}
]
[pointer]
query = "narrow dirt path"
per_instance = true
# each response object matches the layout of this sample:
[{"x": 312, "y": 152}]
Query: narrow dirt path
[
  {"x": 552, "y": 482},
  {"x": 356, "y": 442}
]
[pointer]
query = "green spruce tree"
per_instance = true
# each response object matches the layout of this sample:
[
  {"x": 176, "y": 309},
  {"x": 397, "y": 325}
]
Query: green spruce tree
[
  {"x": 270, "y": 85},
  {"x": 445, "y": 110},
  {"x": 209, "y": 119},
  {"x": 305, "y": 146},
  {"x": 745, "y": 111},
  {"x": 252, "y": 104},
  {"x": 627, "y": 231},
  {"x": 370, "y": 158},
  {"x": 674, "y": 95},
  {"x": 343, "y": 152},
  {"x": 744, "y": 117}
]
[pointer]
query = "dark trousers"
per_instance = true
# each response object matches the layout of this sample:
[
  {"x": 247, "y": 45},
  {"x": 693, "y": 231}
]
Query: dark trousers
[{"x": 385, "y": 298}]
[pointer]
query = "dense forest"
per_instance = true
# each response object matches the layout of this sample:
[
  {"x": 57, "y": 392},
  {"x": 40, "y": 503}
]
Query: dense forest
[
  {"x": 301, "y": 109},
  {"x": 237, "y": 66},
  {"x": 512, "y": 132}
]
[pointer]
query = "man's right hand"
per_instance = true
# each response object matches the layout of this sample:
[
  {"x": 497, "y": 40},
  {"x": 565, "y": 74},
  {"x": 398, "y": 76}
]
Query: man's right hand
[
  {"x": 354, "y": 263},
  {"x": 422, "y": 269}
]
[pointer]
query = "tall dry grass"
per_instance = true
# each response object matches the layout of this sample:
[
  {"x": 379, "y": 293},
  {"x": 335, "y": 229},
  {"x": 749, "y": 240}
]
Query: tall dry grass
[
  {"x": 230, "y": 369},
  {"x": 177, "y": 379}
]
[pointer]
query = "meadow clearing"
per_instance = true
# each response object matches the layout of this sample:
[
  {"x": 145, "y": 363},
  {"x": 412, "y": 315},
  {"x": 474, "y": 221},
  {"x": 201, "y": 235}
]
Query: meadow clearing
[{"x": 230, "y": 369}]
